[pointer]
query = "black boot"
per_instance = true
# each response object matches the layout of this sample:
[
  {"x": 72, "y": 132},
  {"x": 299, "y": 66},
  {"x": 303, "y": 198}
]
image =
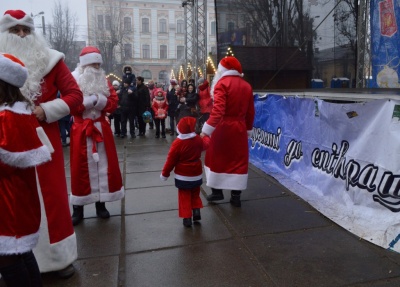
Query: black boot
[
  {"x": 235, "y": 198},
  {"x": 187, "y": 222},
  {"x": 196, "y": 214},
  {"x": 77, "y": 215},
  {"x": 215, "y": 195},
  {"x": 101, "y": 210}
]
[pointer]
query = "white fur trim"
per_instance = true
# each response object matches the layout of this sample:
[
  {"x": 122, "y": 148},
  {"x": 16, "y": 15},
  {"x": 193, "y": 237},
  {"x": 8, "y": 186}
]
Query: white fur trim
[
  {"x": 12, "y": 245},
  {"x": 95, "y": 197},
  {"x": 164, "y": 178},
  {"x": 207, "y": 129},
  {"x": 55, "y": 110},
  {"x": 12, "y": 72},
  {"x": 25, "y": 159},
  {"x": 8, "y": 21},
  {"x": 225, "y": 180},
  {"x": 20, "y": 108},
  {"x": 95, "y": 157},
  {"x": 91, "y": 58},
  {"x": 54, "y": 58},
  {"x": 101, "y": 102},
  {"x": 188, "y": 178},
  {"x": 184, "y": 136},
  {"x": 57, "y": 256},
  {"x": 231, "y": 73},
  {"x": 44, "y": 139}
]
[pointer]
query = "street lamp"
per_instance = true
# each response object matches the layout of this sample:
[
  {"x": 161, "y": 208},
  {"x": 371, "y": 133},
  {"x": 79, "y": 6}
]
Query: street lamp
[{"x": 43, "y": 25}]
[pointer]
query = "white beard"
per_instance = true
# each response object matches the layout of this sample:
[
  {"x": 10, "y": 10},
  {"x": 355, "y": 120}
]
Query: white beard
[
  {"x": 217, "y": 77},
  {"x": 33, "y": 51},
  {"x": 93, "y": 81}
]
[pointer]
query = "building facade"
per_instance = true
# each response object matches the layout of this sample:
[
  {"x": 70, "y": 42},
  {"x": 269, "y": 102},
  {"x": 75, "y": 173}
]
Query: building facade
[{"x": 148, "y": 35}]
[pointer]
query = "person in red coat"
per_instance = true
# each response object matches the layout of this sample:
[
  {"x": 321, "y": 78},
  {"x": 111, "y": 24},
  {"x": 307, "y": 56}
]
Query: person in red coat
[
  {"x": 229, "y": 126},
  {"x": 160, "y": 108},
  {"x": 48, "y": 75},
  {"x": 95, "y": 174},
  {"x": 184, "y": 158},
  {"x": 21, "y": 149}
]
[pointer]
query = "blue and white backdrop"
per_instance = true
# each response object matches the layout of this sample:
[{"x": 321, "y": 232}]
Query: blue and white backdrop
[{"x": 344, "y": 159}]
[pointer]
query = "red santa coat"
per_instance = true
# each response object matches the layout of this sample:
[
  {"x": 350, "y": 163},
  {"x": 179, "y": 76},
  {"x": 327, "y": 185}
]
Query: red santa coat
[
  {"x": 57, "y": 243},
  {"x": 230, "y": 123},
  {"x": 20, "y": 151},
  {"x": 184, "y": 156},
  {"x": 205, "y": 100},
  {"x": 95, "y": 173}
]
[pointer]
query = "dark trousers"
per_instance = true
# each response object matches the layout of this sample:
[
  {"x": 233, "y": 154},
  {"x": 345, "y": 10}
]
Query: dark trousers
[
  {"x": 158, "y": 123},
  {"x": 151, "y": 124},
  {"x": 142, "y": 124},
  {"x": 117, "y": 124},
  {"x": 125, "y": 116},
  {"x": 64, "y": 129},
  {"x": 172, "y": 120},
  {"x": 20, "y": 270}
]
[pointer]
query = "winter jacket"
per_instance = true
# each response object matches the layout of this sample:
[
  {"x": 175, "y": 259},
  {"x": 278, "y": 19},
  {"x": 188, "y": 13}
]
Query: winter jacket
[
  {"x": 160, "y": 107},
  {"x": 205, "y": 100}
]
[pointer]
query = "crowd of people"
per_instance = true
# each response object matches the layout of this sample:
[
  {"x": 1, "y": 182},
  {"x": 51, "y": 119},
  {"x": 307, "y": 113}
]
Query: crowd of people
[{"x": 38, "y": 93}]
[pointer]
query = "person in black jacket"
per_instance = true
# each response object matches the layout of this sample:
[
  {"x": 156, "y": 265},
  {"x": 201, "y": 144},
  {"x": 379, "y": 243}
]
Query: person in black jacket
[
  {"x": 143, "y": 103},
  {"x": 128, "y": 105},
  {"x": 172, "y": 99}
]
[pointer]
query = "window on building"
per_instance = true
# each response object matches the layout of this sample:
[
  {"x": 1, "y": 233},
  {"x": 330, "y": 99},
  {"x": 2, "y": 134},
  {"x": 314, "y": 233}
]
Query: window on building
[
  {"x": 146, "y": 51},
  {"x": 128, "y": 51},
  {"x": 163, "y": 76},
  {"x": 180, "y": 52},
  {"x": 100, "y": 22},
  {"x": 145, "y": 25},
  {"x": 180, "y": 27},
  {"x": 127, "y": 23},
  {"x": 163, "y": 51},
  {"x": 231, "y": 26},
  {"x": 108, "y": 22},
  {"x": 213, "y": 28},
  {"x": 146, "y": 74},
  {"x": 163, "y": 26}
]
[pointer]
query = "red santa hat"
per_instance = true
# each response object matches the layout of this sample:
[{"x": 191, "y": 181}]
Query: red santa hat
[
  {"x": 230, "y": 63},
  {"x": 90, "y": 55},
  {"x": 13, "y": 18},
  {"x": 173, "y": 82},
  {"x": 186, "y": 125},
  {"x": 12, "y": 70}
]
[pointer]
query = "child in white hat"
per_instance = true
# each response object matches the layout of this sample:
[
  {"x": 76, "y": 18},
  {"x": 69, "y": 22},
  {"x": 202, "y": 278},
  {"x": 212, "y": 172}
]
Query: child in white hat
[{"x": 21, "y": 149}]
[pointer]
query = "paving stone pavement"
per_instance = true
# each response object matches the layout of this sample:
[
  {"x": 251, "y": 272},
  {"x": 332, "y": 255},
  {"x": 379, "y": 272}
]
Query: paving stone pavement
[{"x": 274, "y": 239}]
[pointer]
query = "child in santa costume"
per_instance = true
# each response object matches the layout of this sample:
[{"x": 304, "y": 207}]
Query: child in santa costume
[
  {"x": 21, "y": 149},
  {"x": 95, "y": 174},
  {"x": 184, "y": 158},
  {"x": 160, "y": 108}
]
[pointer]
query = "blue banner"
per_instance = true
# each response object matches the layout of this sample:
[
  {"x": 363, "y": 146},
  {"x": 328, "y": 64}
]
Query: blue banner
[{"x": 385, "y": 18}]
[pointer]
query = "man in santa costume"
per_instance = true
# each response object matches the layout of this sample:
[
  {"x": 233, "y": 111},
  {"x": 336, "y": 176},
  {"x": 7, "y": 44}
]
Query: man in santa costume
[
  {"x": 95, "y": 173},
  {"x": 48, "y": 74},
  {"x": 230, "y": 125}
]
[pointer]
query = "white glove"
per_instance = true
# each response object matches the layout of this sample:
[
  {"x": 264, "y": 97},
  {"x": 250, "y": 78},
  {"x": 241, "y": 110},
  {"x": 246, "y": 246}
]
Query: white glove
[
  {"x": 163, "y": 177},
  {"x": 93, "y": 98}
]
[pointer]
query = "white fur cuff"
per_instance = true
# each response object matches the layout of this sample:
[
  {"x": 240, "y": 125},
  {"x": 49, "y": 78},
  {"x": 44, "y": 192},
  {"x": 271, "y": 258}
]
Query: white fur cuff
[
  {"x": 88, "y": 102},
  {"x": 207, "y": 129},
  {"x": 55, "y": 110}
]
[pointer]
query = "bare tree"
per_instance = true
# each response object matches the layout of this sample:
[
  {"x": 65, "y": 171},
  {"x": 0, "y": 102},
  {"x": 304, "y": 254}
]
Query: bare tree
[
  {"x": 111, "y": 35},
  {"x": 62, "y": 32},
  {"x": 275, "y": 22}
]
